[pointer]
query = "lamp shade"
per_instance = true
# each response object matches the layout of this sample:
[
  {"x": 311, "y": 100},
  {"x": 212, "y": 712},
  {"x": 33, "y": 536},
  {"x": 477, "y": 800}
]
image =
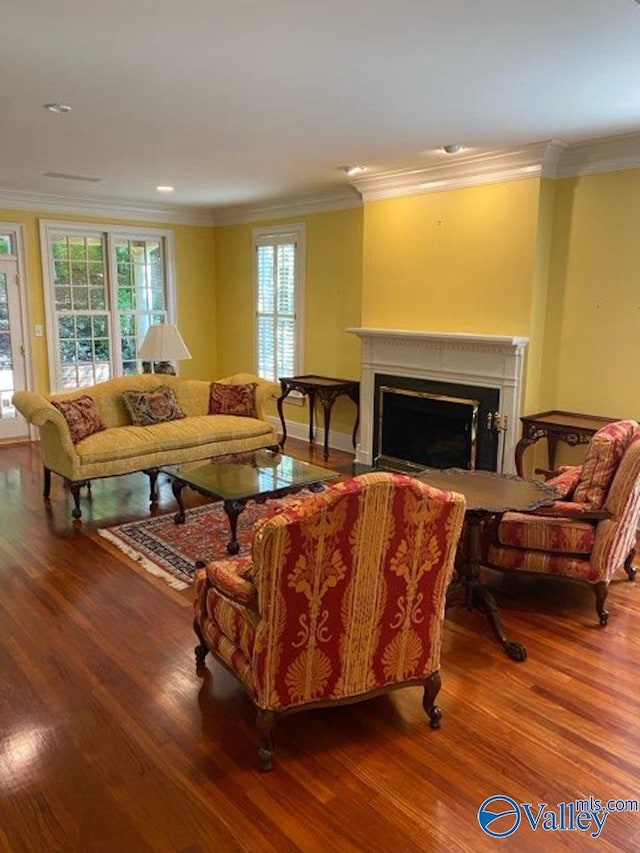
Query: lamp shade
[{"x": 163, "y": 342}]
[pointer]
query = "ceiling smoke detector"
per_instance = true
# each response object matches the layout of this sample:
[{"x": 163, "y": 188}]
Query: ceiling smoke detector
[{"x": 452, "y": 148}]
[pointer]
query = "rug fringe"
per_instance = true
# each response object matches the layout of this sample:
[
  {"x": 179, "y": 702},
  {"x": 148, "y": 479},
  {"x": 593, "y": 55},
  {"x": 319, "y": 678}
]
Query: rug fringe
[{"x": 146, "y": 564}]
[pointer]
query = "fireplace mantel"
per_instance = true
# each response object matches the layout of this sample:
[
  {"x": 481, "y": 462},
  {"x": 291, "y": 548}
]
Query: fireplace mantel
[{"x": 495, "y": 361}]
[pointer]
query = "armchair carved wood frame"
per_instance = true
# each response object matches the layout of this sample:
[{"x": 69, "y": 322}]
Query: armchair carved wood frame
[
  {"x": 589, "y": 534},
  {"x": 341, "y": 598}
]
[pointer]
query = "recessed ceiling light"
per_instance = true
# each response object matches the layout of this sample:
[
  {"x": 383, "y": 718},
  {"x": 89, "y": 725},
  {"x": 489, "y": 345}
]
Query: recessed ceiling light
[
  {"x": 452, "y": 148},
  {"x": 58, "y": 108},
  {"x": 165, "y": 189},
  {"x": 352, "y": 170}
]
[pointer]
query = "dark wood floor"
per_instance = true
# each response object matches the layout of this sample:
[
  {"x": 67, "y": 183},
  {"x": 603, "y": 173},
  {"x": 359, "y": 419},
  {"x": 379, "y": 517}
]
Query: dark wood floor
[{"x": 109, "y": 741}]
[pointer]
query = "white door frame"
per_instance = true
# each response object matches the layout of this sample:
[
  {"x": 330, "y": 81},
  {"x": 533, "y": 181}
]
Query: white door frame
[{"x": 17, "y": 230}]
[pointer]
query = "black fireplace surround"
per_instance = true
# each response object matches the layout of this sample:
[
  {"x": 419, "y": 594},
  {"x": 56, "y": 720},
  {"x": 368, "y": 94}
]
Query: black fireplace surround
[{"x": 428, "y": 423}]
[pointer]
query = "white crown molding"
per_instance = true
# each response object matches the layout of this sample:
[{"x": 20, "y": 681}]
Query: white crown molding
[
  {"x": 318, "y": 202},
  {"x": 112, "y": 208},
  {"x": 548, "y": 159},
  {"x": 609, "y": 154},
  {"x": 540, "y": 159}
]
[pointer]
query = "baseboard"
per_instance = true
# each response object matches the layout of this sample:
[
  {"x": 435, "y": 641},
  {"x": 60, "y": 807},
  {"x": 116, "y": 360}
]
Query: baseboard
[{"x": 296, "y": 429}]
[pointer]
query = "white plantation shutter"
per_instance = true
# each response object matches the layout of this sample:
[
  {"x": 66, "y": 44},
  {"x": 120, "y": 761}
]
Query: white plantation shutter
[{"x": 278, "y": 265}]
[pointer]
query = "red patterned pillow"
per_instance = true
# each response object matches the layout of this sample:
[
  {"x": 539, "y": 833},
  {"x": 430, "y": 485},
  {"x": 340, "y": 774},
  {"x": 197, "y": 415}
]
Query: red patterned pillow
[
  {"x": 565, "y": 481},
  {"x": 237, "y": 400},
  {"x": 82, "y": 417},
  {"x": 152, "y": 407},
  {"x": 601, "y": 461}
]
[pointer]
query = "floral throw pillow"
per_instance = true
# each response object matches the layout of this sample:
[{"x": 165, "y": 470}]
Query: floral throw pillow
[
  {"x": 152, "y": 407},
  {"x": 81, "y": 416},
  {"x": 237, "y": 400}
]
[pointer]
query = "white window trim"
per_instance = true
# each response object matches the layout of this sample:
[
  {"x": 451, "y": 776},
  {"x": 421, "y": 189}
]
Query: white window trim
[
  {"x": 50, "y": 226},
  {"x": 298, "y": 229}
]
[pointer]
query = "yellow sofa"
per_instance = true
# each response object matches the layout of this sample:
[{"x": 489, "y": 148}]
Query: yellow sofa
[{"x": 123, "y": 448}]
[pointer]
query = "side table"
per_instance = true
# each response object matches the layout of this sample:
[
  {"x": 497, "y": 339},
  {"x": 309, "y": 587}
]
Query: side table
[
  {"x": 327, "y": 390},
  {"x": 572, "y": 428}
]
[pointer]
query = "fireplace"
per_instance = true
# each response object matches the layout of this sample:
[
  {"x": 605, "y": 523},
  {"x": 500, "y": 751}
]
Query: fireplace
[
  {"x": 437, "y": 424},
  {"x": 482, "y": 369}
]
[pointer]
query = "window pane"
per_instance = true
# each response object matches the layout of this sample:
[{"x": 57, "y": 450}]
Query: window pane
[
  {"x": 83, "y": 294},
  {"x": 277, "y": 259}
]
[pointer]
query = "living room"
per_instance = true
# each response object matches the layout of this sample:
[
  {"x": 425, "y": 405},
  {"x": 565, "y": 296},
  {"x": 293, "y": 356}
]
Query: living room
[{"x": 112, "y": 741}]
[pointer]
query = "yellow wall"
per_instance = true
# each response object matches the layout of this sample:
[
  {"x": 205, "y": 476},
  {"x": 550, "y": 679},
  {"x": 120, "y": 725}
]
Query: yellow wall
[
  {"x": 194, "y": 254},
  {"x": 455, "y": 261},
  {"x": 594, "y": 307},
  {"x": 333, "y": 277}
]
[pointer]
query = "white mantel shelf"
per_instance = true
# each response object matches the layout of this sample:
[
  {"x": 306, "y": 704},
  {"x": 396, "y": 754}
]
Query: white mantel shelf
[{"x": 495, "y": 361}]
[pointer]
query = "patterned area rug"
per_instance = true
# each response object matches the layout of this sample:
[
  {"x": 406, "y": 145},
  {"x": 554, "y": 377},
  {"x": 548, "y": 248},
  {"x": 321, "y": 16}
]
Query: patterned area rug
[{"x": 169, "y": 550}]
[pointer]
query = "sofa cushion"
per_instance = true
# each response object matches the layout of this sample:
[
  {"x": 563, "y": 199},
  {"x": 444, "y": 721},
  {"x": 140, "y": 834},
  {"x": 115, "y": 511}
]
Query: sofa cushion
[
  {"x": 602, "y": 458},
  {"x": 238, "y": 400},
  {"x": 81, "y": 416},
  {"x": 152, "y": 407}
]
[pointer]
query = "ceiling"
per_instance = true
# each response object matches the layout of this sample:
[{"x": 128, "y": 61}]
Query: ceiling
[{"x": 241, "y": 103}]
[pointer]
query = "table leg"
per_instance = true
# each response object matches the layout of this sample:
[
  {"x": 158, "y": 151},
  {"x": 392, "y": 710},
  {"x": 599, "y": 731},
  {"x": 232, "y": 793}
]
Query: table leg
[
  {"x": 176, "y": 487},
  {"x": 477, "y": 594},
  {"x": 233, "y": 509},
  {"x": 521, "y": 446},
  {"x": 281, "y": 399},
  {"x": 326, "y": 407},
  {"x": 312, "y": 404}
]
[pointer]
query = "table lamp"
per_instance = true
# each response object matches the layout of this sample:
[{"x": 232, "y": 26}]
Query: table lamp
[{"x": 162, "y": 345}]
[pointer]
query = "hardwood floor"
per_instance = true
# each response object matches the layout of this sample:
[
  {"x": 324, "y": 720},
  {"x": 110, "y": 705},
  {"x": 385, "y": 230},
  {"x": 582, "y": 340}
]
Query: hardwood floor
[{"x": 109, "y": 741}]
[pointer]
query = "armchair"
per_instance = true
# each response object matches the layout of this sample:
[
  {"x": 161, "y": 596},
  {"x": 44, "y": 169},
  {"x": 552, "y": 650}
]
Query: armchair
[
  {"x": 590, "y": 532},
  {"x": 341, "y": 598}
]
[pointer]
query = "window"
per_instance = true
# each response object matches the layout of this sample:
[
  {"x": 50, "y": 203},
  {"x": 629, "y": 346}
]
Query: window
[
  {"x": 104, "y": 289},
  {"x": 279, "y": 261}
]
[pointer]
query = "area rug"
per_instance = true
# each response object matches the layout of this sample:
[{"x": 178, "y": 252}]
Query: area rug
[{"x": 170, "y": 551}]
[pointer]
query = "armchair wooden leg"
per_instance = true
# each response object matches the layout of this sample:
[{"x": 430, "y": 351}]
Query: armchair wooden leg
[
  {"x": 601, "y": 589},
  {"x": 266, "y": 721},
  {"x": 431, "y": 689},
  {"x": 202, "y": 649},
  {"x": 629, "y": 567}
]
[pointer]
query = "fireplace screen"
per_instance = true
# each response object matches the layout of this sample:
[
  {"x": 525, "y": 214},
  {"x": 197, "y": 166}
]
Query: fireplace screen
[{"x": 433, "y": 430}]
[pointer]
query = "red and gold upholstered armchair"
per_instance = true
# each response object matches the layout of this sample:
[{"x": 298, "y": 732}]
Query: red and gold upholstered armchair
[
  {"x": 590, "y": 531},
  {"x": 341, "y": 598}
]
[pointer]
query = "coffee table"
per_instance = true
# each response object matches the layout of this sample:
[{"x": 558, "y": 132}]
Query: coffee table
[
  {"x": 489, "y": 495},
  {"x": 241, "y": 477}
]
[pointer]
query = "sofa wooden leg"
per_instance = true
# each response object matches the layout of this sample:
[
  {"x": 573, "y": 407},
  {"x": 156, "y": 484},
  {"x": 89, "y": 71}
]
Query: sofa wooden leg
[
  {"x": 46, "y": 489},
  {"x": 74, "y": 488},
  {"x": 629, "y": 567},
  {"x": 152, "y": 474},
  {"x": 266, "y": 721},
  {"x": 431, "y": 689},
  {"x": 601, "y": 589}
]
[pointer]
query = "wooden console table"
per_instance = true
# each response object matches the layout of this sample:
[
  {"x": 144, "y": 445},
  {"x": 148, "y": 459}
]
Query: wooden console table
[
  {"x": 327, "y": 390},
  {"x": 570, "y": 427}
]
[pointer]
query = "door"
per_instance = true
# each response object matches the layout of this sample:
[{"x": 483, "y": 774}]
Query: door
[{"x": 12, "y": 358}]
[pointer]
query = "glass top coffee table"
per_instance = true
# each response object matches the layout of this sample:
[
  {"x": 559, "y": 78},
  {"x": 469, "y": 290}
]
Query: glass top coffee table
[{"x": 241, "y": 477}]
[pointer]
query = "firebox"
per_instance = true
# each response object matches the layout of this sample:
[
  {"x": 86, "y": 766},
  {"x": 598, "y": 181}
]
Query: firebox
[{"x": 423, "y": 423}]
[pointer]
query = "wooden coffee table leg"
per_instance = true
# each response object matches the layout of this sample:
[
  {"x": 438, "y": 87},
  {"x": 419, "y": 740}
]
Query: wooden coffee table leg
[{"x": 233, "y": 510}]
